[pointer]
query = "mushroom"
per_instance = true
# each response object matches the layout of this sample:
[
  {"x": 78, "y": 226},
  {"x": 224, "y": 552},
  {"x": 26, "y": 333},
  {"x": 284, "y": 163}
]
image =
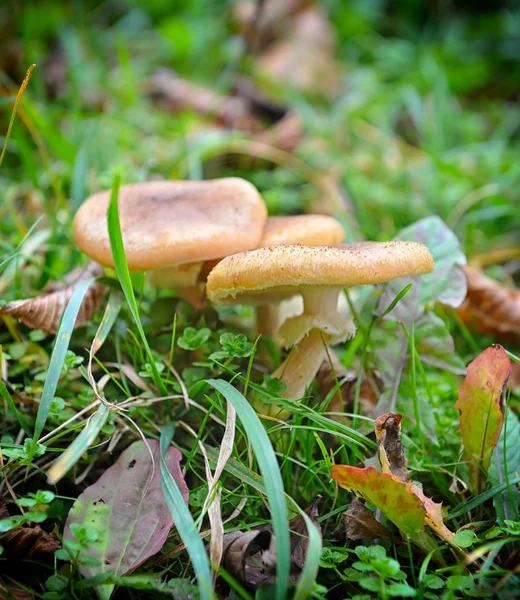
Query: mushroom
[
  {"x": 312, "y": 230},
  {"x": 318, "y": 273},
  {"x": 172, "y": 227}
]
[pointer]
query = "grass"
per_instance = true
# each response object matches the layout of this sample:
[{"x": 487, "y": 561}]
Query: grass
[{"x": 425, "y": 123}]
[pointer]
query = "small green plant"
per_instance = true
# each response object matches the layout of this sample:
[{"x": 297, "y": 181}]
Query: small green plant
[{"x": 376, "y": 572}]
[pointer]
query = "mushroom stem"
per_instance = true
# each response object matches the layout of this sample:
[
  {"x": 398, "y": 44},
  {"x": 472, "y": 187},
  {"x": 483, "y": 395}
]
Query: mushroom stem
[
  {"x": 180, "y": 276},
  {"x": 267, "y": 319},
  {"x": 300, "y": 367}
]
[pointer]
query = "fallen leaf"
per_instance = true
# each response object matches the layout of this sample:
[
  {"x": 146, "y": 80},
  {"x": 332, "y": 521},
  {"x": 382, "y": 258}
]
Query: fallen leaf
[
  {"x": 359, "y": 523},
  {"x": 445, "y": 284},
  {"x": 391, "y": 453},
  {"x": 260, "y": 23},
  {"x": 251, "y": 557},
  {"x": 127, "y": 509},
  {"x": 391, "y": 490},
  {"x": 306, "y": 59},
  {"x": 343, "y": 400},
  {"x": 173, "y": 94},
  {"x": 14, "y": 592},
  {"x": 490, "y": 306},
  {"x": 28, "y": 541},
  {"x": 393, "y": 461},
  {"x": 393, "y": 497},
  {"x": 285, "y": 135},
  {"x": 44, "y": 312},
  {"x": 481, "y": 404}
]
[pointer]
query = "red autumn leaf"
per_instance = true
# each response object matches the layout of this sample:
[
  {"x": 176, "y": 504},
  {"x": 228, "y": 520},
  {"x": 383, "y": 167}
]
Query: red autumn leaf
[
  {"x": 127, "y": 510},
  {"x": 481, "y": 406}
]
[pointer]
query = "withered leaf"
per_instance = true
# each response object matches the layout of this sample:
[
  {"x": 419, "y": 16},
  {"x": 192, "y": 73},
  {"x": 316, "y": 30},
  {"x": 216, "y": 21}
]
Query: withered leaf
[
  {"x": 29, "y": 541},
  {"x": 393, "y": 461},
  {"x": 44, "y": 312},
  {"x": 489, "y": 305},
  {"x": 359, "y": 523},
  {"x": 251, "y": 557},
  {"x": 14, "y": 592},
  {"x": 343, "y": 400},
  {"x": 306, "y": 59},
  {"x": 173, "y": 94},
  {"x": 391, "y": 453}
]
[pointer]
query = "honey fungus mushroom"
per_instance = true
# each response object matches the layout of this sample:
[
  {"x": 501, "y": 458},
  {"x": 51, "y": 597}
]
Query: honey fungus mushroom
[
  {"x": 312, "y": 230},
  {"x": 318, "y": 273},
  {"x": 172, "y": 228}
]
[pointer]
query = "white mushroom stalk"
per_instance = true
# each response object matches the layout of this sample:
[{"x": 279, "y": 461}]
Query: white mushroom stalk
[{"x": 319, "y": 326}]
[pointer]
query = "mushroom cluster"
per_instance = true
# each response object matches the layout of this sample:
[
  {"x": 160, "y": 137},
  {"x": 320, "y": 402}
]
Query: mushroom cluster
[{"x": 215, "y": 236}]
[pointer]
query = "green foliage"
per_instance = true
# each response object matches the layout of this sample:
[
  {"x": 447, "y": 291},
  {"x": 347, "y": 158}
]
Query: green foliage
[{"x": 192, "y": 339}]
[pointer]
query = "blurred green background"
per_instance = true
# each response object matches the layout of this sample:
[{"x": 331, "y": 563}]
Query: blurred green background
[{"x": 423, "y": 117}]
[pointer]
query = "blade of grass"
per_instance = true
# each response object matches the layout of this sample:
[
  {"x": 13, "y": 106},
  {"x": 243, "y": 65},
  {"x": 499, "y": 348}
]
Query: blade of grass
[
  {"x": 21, "y": 91},
  {"x": 59, "y": 352},
  {"x": 312, "y": 560},
  {"x": 184, "y": 522},
  {"x": 272, "y": 478},
  {"x": 86, "y": 438},
  {"x": 78, "y": 447},
  {"x": 123, "y": 274},
  {"x": 465, "y": 507},
  {"x": 4, "y": 392}
]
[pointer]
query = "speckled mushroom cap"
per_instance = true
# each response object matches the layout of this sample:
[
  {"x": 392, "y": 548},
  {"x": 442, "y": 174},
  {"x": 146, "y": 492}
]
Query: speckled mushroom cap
[
  {"x": 170, "y": 223},
  {"x": 277, "y": 271},
  {"x": 312, "y": 230}
]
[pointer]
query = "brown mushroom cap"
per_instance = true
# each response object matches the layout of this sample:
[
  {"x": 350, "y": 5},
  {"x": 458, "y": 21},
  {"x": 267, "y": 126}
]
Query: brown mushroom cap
[
  {"x": 312, "y": 230},
  {"x": 277, "y": 271},
  {"x": 169, "y": 223}
]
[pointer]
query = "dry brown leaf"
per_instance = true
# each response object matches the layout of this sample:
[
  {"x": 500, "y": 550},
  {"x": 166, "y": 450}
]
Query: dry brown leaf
[
  {"x": 28, "y": 541},
  {"x": 173, "y": 94},
  {"x": 490, "y": 306},
  {"x": 343, "y": 400},
  {"x": 359, "y": 523},
  {"x": 44, "y": 312},
  {"x": 250, "y": 556},
  {"x": 391, "y": 453},
  {"x": 13, "y": 592},
  {"x": 286, "y": 134},
  {"x": 306, "y": 59},
  {"x": 262, "y": 22}
]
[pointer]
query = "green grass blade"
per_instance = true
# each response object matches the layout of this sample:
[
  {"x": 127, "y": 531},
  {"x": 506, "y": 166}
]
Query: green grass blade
[
  {"x": 84, "y": 440},
  {"x": 465, "y": 507},
  {"x": 272, "y": 478},
  {"x": 123, "y": 274},
  {"x": 312, "y": 561},
  {"x": 59, "y": 351},
  {"x": 184, "y": 522},
  {"x": 4, "y": 392}
]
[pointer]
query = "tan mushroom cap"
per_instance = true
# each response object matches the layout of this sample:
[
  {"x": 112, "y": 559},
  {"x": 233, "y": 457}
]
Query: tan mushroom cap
[
  {"x": 169, "y": 223},
  {"x": 312, "y": 230},
  {"x": 277, "y": 271}
]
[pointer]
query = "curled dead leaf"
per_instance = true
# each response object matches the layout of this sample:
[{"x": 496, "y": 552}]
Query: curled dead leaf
[
  {"x": 44, "y": 312},
  {"x": 14, "y": 592},
  {"x": 343, "y": 400},
  {"x": 359, "y": 523},
  {"x": 28, "y": 541},
  {"x": 251, "y": 557},
  {"x": 173, "y": 94},
  {"x": 489, "y": 305},
  {"x": 306, "y": 58},
  {"x": 391, "y": 453}
]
